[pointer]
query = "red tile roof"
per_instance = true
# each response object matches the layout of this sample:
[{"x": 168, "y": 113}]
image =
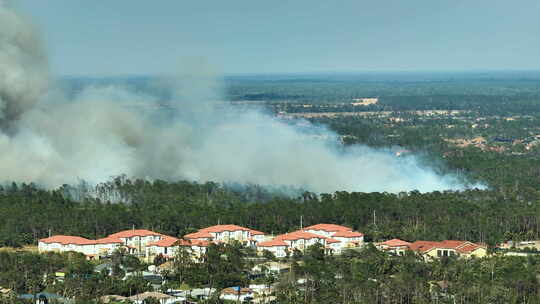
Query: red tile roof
[
  {"x": 182, "y": 242},
  {"x": 331, "y": 240},
  {"x": 297, "y": 235},
  {"x": 328, "y": 227},
  {"x": 189, "y": 243},
  {"x": 132, "y": 233},
  {"x": 200, "y": 243},
  {"x": 205, "y": 232},
  {"x": 272, "y": 243},
  {"x": 256, "y": 232},
  {"x": 222, "y": 228},
  {"x": 460, "y": 246},
  {"x": 293, "y": 236},
  {"x": 232, "y": 291},
  {"x": 468, "y": 248},
  {"x": 169, "y": 241},
  {"x": 67, "y": 239},
  {"x": 422, "y": 246},
  {"x": 395, "y": 243},
  {"x": 109, "y": 240},
  {"x": 198, "y": 235},
  {"x": 347, "y": 234},
  {"x": 166, "y": 241},
  {"x": 451, "y": 244}
]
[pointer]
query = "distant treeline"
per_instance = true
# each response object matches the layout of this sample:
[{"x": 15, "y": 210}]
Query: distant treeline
[
  {"x": 427, "y": 91},
  {"x": 176, "y": 208},
  {"x": 422, "y": 89}
]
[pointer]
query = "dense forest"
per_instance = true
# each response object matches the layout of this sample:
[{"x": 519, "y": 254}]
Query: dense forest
[
  {"x": 177, "y": 208},
  {"x": 426, "y": 88}
]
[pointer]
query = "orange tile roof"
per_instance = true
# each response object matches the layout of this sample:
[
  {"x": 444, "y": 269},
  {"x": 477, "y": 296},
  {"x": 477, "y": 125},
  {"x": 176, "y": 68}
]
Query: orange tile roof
[
  {"x": 422, "y": 246},
  {"x": 451, "y": 244},
  {"x": 300, "y": 234},
  {"x": 221, "y": 228},
  {"x": 182, "y": 242},
  {"x": 109, "y": 240},
  {"x": 395, "y": 243},
  {"x": 132, "y": 233},
  {"x": 467, "y": 248},
  {"x": 461, "y": 246},
  {"x": 166, "y": 241},
  {"x": 347, "y": 234},
  {"x": 189, "y": 243},
  {"x": 328, "y": 227},
  {"x": 272, "y": 243},
  {"x": 293, "y": 236},
  {"x": 233, "y": 291},
  {"x": 200, "y": 243},
  {"x": 198, "y": 235},
  {"x": 67, "y": 239},
  {"x": 256, "y": 232}
]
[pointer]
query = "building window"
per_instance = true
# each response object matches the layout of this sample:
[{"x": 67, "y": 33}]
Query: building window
[
  {"x": 439, "y": 253},
  {"x": 445, "y": 253}
]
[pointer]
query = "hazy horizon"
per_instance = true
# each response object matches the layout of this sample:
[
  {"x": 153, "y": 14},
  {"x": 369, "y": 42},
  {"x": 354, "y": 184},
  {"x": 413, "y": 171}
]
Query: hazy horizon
[
  {"x": 479, "y": 74},
  {"x": 465, "y": 72}
]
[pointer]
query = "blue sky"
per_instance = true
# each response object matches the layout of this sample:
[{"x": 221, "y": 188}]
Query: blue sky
[{"x": 119, "y": 37}]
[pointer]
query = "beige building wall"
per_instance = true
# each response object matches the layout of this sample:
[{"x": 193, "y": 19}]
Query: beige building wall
[
  {"x": 479, "y": 252},
  {"x": 440, "y": 252}
]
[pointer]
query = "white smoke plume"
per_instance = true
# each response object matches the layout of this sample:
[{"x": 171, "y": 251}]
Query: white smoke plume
[{"x": 99, "y": 134}]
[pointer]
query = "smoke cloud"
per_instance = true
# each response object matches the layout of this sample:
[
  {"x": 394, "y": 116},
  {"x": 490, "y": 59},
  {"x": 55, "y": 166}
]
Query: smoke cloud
[
  {"x": 107, "y": 131},
  {"x": 23, "y": 66}
]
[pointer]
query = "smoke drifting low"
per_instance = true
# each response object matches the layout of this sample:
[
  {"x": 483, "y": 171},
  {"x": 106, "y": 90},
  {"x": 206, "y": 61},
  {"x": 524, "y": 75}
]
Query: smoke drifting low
[{"x": 51, "y": 140}]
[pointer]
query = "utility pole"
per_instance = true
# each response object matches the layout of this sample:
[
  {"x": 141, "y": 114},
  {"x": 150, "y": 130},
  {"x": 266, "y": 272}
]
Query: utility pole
[{"x": 301, "y": 224}]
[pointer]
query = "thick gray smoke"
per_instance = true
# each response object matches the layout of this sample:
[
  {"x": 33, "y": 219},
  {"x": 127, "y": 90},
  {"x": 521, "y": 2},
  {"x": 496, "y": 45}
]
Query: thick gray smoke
[
  {"x": 23, "y": 66},
  {"x": 108, "y": 131}
]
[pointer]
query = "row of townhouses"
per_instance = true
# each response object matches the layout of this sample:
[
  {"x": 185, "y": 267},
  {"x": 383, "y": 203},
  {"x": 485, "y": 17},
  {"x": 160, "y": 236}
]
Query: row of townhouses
[
  {"x": 139, "y": 242},
  {"x": 147, "y": 244},
  {"x": 334, "y": 238},
  {"x": 430, "y": 249}
]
